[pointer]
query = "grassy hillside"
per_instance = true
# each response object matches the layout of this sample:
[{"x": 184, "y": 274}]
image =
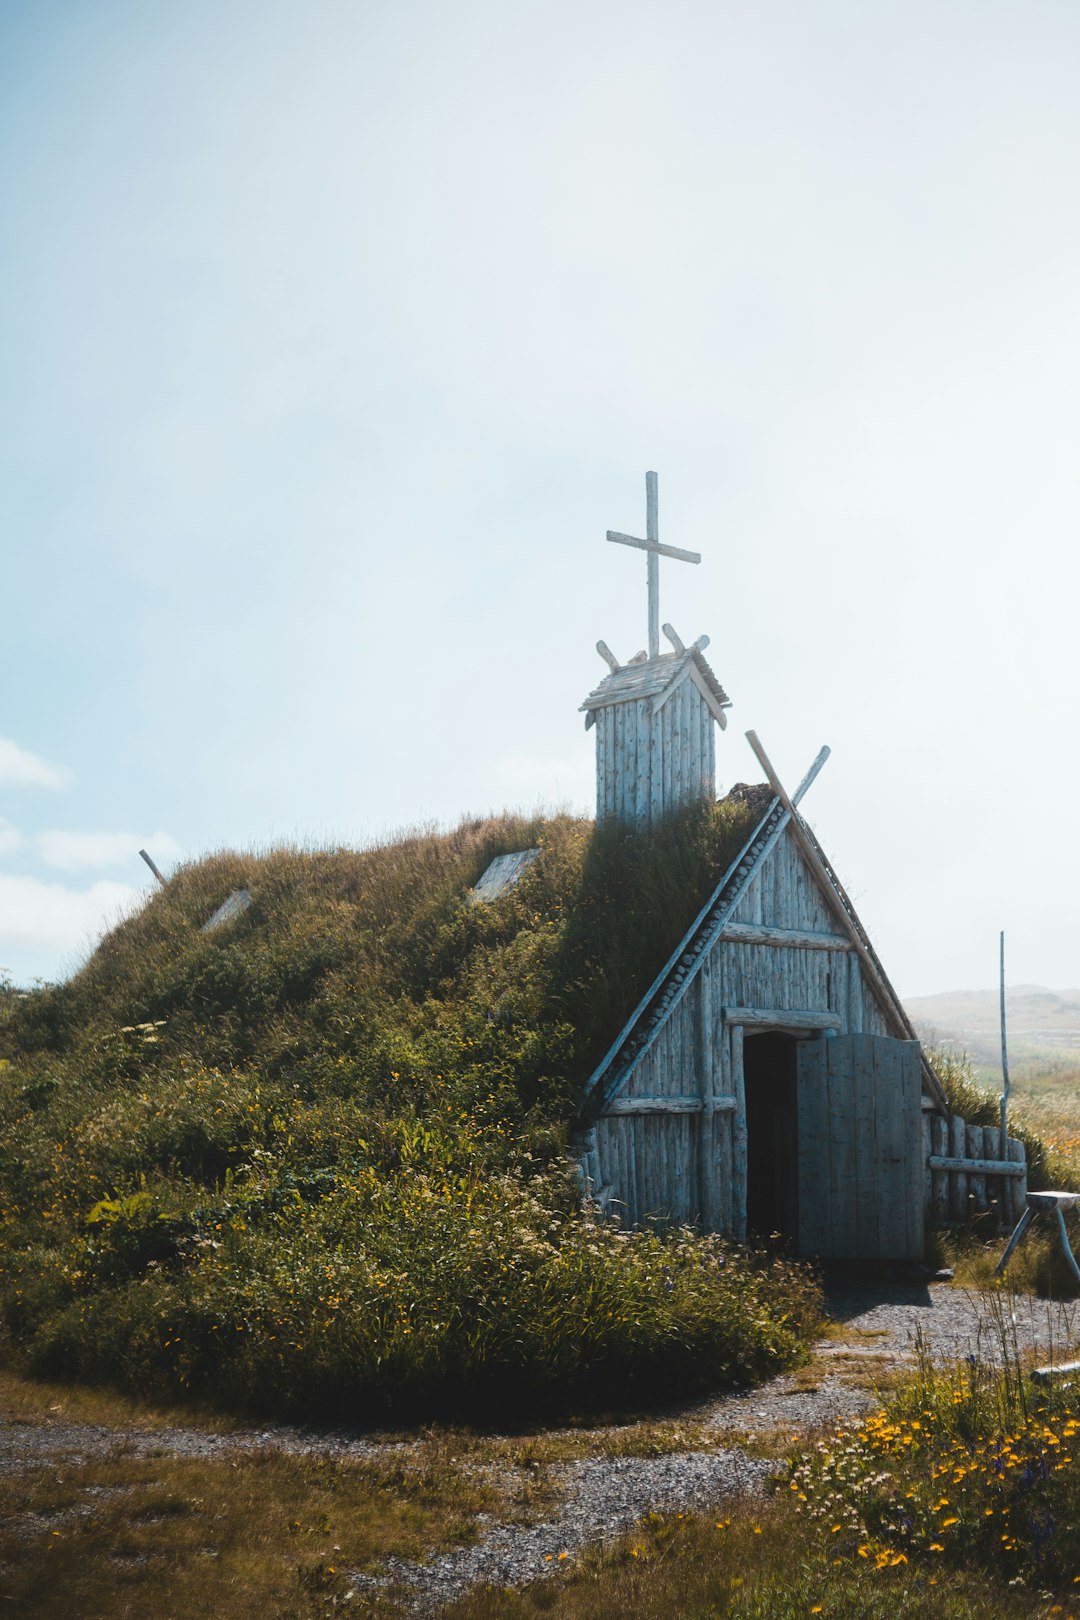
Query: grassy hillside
[{"x": 315, "y": 1160}]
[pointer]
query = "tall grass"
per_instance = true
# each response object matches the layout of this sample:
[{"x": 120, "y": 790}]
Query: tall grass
[{"x": 316, "y": 1160}]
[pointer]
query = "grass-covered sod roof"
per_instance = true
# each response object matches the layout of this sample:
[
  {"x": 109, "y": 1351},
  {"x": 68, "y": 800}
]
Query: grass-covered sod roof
[{"x": 314, "y": 1161}]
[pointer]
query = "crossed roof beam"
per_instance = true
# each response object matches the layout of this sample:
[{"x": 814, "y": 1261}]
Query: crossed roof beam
[{"x": 845, "y": 912}]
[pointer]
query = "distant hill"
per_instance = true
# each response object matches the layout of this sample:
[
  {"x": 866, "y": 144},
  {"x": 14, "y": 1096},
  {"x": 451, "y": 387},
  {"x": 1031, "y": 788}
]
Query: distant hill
[{"x": 1039, "y": 1022}]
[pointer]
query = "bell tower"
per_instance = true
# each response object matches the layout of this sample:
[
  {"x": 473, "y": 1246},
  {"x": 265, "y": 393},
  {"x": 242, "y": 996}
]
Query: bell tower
[{"x": 655, "y": 745}]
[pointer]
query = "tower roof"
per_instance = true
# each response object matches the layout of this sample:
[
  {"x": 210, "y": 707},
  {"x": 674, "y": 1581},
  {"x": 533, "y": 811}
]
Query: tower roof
[{"x": 658, "y": 677}]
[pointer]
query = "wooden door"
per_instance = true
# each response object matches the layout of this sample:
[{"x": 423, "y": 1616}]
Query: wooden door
[{"x": 860, "y": 1148}]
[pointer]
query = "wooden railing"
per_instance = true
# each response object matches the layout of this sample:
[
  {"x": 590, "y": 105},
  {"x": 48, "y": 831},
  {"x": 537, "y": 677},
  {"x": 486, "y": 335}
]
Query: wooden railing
[{"x": 968, "y": 1174}]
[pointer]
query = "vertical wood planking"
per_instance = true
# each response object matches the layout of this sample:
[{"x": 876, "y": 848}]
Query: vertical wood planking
[
  {"x": 911, "y": 1064},
  {"x": 855, "y": 994},
  {"x": 843, "y": 1161},
  {"x": 633, "y": 1187},
  {"x": 958, "y": 1192},
  {"x": 939, "y": 1135},
  {"x": 976, "y": 1182},
  {"x": 1015, "y": 1151},
  {"x": 812, "y": 1113},
  {"x": 725, "y": 1123},
  {"x": 866, "y": 1155},
  {"x": 601, "y": 763},
  {"x": 928, "y": 1179},
  {"x": 619, "y": 754},
  {"x": 706, "y": 1131},
  {"x": 997, "y": 1196},
  {"x": 641, "y": 760},
  {"x": 738, "y": 1169},
  {"x": 628, "y": 752},
  {"x": 887, "y": 1080}
]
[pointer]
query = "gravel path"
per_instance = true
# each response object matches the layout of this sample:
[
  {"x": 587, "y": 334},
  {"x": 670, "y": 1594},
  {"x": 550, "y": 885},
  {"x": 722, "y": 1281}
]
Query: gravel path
[
  {"x": 604, "y": 1498},
  {"x": 25, "y": 1441},
  {"x": 876, "y": 1327}
]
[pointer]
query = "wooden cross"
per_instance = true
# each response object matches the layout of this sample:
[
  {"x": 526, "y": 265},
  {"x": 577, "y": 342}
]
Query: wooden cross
[{"x": 652, "y": 545}]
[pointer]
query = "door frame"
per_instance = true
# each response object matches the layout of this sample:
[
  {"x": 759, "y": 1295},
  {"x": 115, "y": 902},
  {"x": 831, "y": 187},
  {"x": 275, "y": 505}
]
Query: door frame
[{"x": 802, "y": 1023}]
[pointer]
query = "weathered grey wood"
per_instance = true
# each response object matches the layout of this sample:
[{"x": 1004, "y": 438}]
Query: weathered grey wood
[
  {"x": 976, "y": 1178},
  {"x": 715, "y": 707},
  {"x": 673, "y": 637},
  {"x": 635, "y": 1190},
  {"x": 928, "y": 1178},
  {"x": 997, "y": 1189},
  {"x": 738, "y": 1169},
  {"x": 642, "y": 756},
  {"x": 608, "y": 656},
  {"x": 796, "y": 939},
  {"x": 653, "y": 1105},
  {"x": 891, "y": 1191},
  {"x": 939, "y": 1206},
  {"x": 861, "y": 1109},
  {"x": 725, "y": 1128},
  {"x": 969, "y": 1167},
  {"x": 813, "y": 1114},
  {"x": 1017, "y": 1188},
  {"x": 153, "y": 867},
  {"x": 654, "y": 550},
  {"x": 651, "y": 545},
  {"x": 911, "y": 1147},
  {"x": 783, "y": 1017},
  {"x": 834, "y": 893},
  {"x": 705, "y": 1130},
  {"x": 958, "y": 1181}
]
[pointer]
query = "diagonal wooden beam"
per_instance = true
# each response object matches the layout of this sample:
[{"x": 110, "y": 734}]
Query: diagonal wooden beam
[{"x": 841, "y": 905}]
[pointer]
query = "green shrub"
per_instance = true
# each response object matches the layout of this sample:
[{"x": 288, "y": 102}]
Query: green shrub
[{"x": 316, "y": 1159}]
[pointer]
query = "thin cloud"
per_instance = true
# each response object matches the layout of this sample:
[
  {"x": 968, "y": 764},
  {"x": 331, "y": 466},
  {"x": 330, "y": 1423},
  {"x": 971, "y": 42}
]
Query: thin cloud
[
  {"x": 36, "y": 914},
  {"x": 79, "y": 851},
  {"x": 11, "y": 838},
  {"x": 20, "y": 768}
]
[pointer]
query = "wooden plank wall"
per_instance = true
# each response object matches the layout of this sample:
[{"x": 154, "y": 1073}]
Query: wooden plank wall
[
  {"x": 650, "y": 762},
  {"x": 675, "y": 1166},
  {"x": 691, "y": 1166},
  {"x": 785, "y": 895}
]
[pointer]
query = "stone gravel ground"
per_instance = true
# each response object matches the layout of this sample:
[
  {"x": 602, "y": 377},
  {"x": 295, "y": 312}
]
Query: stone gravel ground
[
  {"x": 876, "y": 1328},
  {"x": 602, "y": 1498}
]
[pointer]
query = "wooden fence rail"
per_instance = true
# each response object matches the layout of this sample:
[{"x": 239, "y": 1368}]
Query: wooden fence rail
[{"x": 969, "y": 1172}]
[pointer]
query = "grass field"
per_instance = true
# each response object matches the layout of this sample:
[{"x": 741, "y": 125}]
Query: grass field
[{"x": 959, "y": 1500}]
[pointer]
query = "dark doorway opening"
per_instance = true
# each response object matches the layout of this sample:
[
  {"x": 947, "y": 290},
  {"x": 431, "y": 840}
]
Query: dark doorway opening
[{"x": 772, "y": 1136}]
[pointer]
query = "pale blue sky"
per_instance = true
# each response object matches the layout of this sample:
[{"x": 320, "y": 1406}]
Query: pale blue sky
[{"x": 335, "y": 336}]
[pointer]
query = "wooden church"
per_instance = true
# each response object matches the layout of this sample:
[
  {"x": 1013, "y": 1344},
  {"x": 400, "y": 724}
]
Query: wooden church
[{"x": 769, "y": 1081}]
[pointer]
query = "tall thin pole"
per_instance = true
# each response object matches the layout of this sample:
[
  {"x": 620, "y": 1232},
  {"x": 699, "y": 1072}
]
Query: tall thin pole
[
  {"x": 1004, "y": 1056},
  {"x": 152, "y": 867},
  {"x": 652, "y": 532}
]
